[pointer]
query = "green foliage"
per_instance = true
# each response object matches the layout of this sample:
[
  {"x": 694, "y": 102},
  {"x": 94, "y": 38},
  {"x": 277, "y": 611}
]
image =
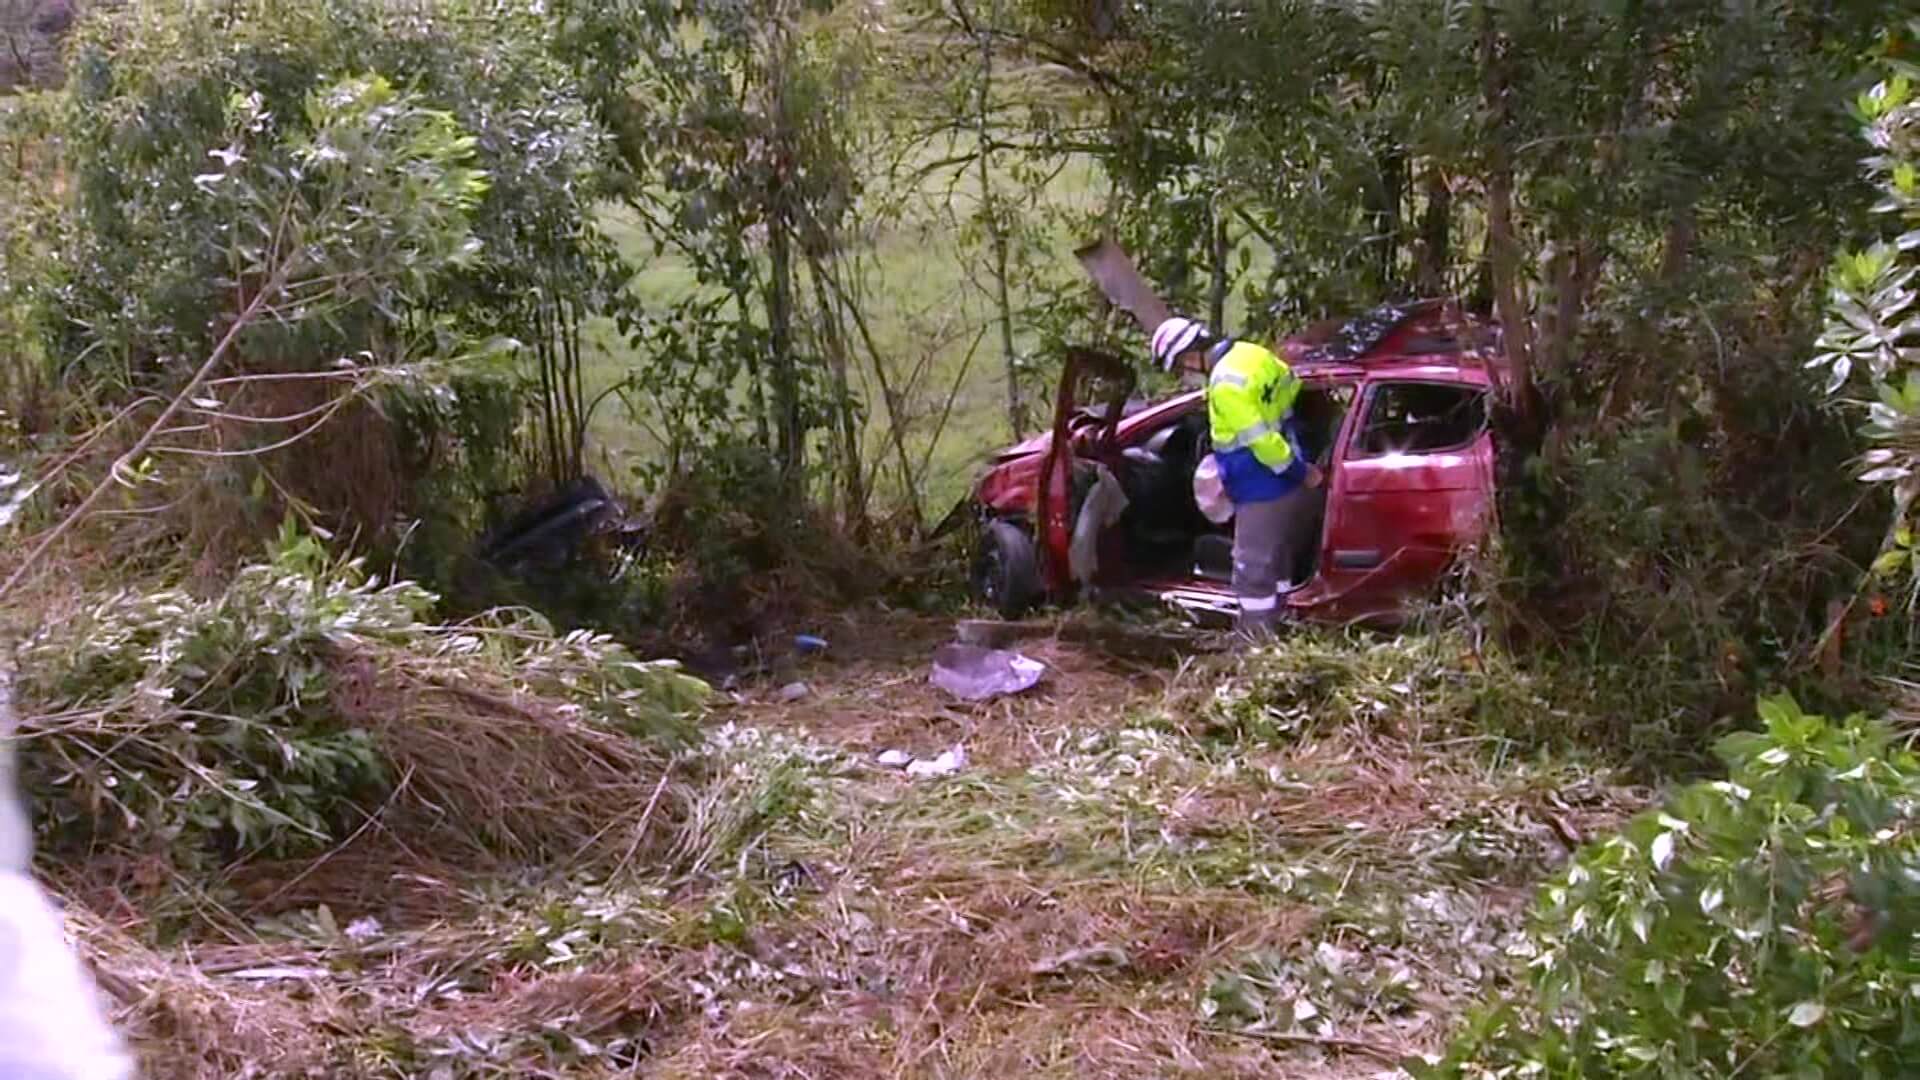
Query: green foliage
[
  {"x": 737, "y": 128},
  {"x": 1872, "y": 327},
  {"x": 237, "y": 724},
  {"x": 1759, "y": 925},
  {"x": 409, "y": 193},
  {"x": 1386, "y": 957},
  {"x": 1699, "y": 535},
  {"x": 1316, "y": 680},
  {"x": 209, "y": 722}
]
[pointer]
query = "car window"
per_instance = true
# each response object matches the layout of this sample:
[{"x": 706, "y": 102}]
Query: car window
[
  {"x": 1318, "y": 412},
  {"x": 1420, "y": 418}
]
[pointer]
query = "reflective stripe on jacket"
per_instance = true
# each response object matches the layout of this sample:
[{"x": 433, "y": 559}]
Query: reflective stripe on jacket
[{"x": 1250, "y": 397}]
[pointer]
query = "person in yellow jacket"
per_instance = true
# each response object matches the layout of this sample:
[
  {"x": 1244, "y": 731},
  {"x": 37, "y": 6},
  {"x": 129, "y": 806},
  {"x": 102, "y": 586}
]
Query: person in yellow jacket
[{"x": 1250, "y": 395}]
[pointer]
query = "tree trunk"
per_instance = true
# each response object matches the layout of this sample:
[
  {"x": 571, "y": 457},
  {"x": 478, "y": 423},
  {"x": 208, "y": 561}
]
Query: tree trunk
[
  {"x": 786, "y": 376},
  {"x": 897, "y": 417},
  {"x": 789, "y": 420},
  {"x": 1384, "y": 211},
  {"x": 1103, "y": 18},
  {"x": 1217, "y": 291},
  {"x": 833, "y": 339},
  {"x": 1677, "y": 249},
  {"x": 1435, "y": 249},
  {"x": 1503, "y": 243},
  {"x": 1574, "y": 269},
  {"x": 996, "y": 229},
  {"x": 756, "y": 378}
]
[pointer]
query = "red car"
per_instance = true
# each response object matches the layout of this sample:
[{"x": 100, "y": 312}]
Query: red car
[{"x": 1394, "y": 409}]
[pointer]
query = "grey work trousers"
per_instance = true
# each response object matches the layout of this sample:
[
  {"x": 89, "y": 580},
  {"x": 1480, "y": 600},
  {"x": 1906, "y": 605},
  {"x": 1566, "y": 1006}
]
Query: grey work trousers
[{"x": 1267, "y": 540}]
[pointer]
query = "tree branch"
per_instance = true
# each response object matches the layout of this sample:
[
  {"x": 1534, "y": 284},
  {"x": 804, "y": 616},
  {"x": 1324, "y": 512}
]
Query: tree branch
[{"x": 245, "y": 318}]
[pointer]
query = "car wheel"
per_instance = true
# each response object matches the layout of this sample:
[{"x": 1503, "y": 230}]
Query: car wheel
[{"x": 1006, "y": 570}]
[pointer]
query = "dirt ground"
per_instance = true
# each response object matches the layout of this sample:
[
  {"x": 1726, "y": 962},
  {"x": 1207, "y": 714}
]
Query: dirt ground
[{"x": 1114, "y": 884}]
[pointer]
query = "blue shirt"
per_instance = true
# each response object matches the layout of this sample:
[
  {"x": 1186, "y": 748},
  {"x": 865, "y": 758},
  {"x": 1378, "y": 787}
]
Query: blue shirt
[{"x": 1249, "y": 481}]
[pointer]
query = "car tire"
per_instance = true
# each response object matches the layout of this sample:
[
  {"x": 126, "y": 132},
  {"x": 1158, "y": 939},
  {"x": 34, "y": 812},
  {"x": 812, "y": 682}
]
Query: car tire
[{"x": 1006, "y": 570}]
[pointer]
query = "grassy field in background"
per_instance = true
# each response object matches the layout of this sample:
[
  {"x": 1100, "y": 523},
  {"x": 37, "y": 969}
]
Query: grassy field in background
[
  {"x": 930, "y": 311},
  {"x": 926, "y": 306}
]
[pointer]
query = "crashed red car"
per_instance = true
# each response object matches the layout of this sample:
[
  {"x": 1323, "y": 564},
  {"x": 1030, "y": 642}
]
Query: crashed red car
[{"x": 1394, "y": 408}]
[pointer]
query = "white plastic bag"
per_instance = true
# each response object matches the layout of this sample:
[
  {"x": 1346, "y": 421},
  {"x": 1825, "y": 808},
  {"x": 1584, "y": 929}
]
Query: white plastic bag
[
  {"x": 1210, "y": 492},
  {"x": 973, "y": 673}
]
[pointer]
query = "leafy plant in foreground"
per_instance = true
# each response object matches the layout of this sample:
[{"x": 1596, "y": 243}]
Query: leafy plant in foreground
[
  {"x": 276, "y": 716},
  {"x": 1761, "y": 925}
]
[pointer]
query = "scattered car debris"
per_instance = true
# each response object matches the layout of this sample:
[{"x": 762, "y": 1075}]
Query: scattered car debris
[
  {"x": 1090, "y": 958},
  {"x": 278, "y": 973},
  {"x": 974, "y": 673},
  {"x": 950, "y": 761},
  {"x": 805, "y": 644},
  {"x": 14, "y": 493}
]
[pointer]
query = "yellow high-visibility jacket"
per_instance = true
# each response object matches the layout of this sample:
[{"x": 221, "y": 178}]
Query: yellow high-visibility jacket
[{"x": 1250, "y": 397}]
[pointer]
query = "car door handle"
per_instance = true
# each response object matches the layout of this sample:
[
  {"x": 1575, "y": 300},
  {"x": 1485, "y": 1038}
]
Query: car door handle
[{"x": 1356, "y": 558}]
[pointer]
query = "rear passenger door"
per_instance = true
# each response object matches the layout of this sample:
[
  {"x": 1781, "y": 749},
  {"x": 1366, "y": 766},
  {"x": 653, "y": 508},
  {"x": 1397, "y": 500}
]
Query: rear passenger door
[{"x": 1412, "y": 481}]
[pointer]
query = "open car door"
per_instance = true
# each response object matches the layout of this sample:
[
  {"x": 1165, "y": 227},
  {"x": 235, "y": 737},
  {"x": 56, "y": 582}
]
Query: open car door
[{"x": 1089, "y": 375}]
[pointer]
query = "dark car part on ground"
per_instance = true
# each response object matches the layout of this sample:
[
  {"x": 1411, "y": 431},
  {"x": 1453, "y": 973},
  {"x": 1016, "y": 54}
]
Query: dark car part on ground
[{"x": 550, "y": 531}]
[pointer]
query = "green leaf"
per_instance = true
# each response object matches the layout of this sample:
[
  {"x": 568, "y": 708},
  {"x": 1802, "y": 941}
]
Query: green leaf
[{"x": 1779, "y": 713}]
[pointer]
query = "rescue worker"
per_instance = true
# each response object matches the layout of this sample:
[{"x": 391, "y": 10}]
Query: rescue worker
[{"x": 1250, "y": 395}]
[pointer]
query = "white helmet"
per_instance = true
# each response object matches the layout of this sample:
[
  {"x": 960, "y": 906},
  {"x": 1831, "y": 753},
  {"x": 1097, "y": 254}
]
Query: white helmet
[{"x": 1173, "y": 338}]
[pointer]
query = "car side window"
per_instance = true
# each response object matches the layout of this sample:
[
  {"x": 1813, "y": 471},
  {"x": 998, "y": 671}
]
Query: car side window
[
  {"x": 1420, "y": 418},
  {"x": 1318, "y": 412}
]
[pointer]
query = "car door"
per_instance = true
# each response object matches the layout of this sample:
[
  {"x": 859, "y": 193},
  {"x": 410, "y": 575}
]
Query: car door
[
  {"x": 1089, "y": 374},
  {"x": 1411, "y": 485}
]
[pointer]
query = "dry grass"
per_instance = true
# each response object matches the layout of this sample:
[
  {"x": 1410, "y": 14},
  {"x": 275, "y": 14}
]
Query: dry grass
[
  {"x": 1063, "y": 908},
  {"x": 873, "y": 693},
  {"x": 487, "y": 770}
]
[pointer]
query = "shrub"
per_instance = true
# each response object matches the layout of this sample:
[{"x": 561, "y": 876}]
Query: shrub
[
  {"x": 1761, "y": 925},
  {"x": 276, "y": 716}
]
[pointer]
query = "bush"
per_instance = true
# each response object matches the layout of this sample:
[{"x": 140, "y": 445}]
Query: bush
[
  {"x": 385, "y": 394},
  {"x": 1677, "y": 608},
  {"x": 277, "y": 716},
  {"x": 1761, "y": 925}
]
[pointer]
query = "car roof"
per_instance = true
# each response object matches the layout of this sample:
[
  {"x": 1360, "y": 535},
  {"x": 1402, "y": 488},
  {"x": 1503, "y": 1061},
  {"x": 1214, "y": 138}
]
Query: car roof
[
  {"x": 1434, "y": 339},
  {"x": 1422, "y": 340},
  {"x": 1469, "y": 368}
]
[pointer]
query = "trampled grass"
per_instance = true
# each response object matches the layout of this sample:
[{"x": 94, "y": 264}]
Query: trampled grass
[{"x": 1127, "y": 878}]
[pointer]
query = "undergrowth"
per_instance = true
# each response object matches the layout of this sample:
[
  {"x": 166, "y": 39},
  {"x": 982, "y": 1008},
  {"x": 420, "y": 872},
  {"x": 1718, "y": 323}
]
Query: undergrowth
[
  {"x": 1317, "y": 680},
  {"x": 280, "y": 715},
  {"x": 1761, "y": 925}
]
